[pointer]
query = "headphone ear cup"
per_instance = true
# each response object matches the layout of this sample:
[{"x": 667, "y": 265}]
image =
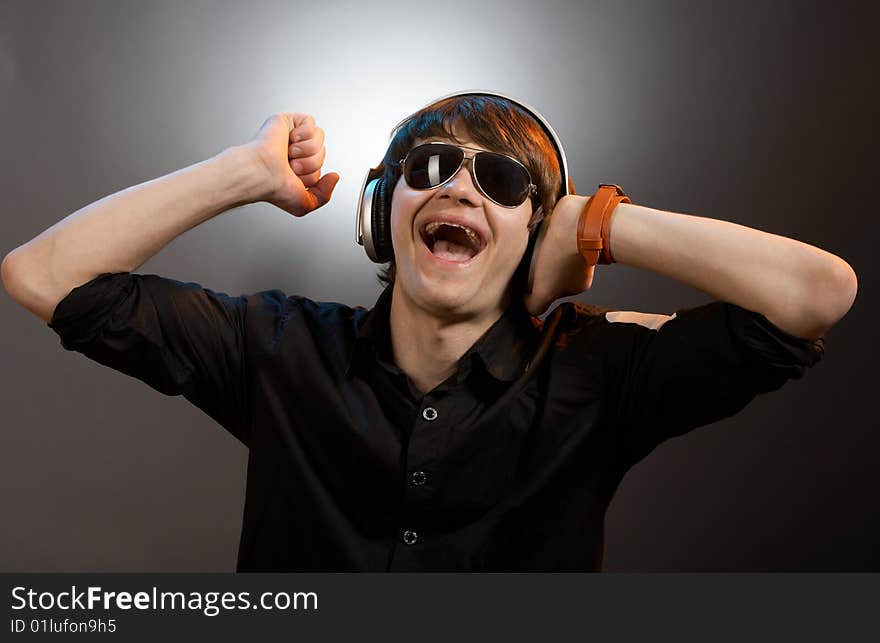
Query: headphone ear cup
[{"x": 381, "y": 223}]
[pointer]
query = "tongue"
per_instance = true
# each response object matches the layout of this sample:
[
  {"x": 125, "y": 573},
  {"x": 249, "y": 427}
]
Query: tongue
[{"x": 451, "y": 251}]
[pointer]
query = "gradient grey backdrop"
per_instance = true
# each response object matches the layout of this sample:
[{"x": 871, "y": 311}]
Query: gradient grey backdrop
[{"x": 760, "y": 114}]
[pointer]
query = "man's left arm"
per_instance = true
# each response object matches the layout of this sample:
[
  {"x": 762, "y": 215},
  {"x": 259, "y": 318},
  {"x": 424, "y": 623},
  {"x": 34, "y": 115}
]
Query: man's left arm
[{"x": 801, "y": 289}]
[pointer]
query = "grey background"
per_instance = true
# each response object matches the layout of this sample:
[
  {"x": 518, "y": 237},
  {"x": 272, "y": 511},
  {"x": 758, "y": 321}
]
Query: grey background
[{"x": 758, "y": 113}]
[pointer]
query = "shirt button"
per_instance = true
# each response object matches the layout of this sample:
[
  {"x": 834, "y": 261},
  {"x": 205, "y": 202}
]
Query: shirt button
[
  {"x": 410, "y": 537},
  {"x": 430, "y": 413},
  {"x": 419, "y": 478}
]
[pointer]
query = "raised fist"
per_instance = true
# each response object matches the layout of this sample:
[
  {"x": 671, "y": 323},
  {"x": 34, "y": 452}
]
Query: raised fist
[{"x": 290, "y": 147}]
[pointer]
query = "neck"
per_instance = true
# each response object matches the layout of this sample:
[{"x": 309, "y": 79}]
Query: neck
[{"x": 426, "y": 346}]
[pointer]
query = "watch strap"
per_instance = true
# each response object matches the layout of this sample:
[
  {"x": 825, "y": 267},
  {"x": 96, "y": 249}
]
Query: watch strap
[{"x": 594, "y": 225}]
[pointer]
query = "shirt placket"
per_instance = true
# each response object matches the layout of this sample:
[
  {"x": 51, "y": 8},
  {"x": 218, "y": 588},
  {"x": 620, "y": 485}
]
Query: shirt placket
[{"x": 428, "y": 434}]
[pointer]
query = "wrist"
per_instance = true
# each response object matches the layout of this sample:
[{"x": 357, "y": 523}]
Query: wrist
[
  {"x": 243, "y": 176},
  {"x": 594, "y": 224},
  {"x": 568, "y": 211}
]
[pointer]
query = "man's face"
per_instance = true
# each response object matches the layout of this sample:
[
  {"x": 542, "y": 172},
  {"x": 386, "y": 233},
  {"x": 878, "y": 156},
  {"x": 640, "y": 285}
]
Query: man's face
[{"x": 433, "y": 270}]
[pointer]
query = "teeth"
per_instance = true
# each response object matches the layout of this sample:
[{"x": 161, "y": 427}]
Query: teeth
[{"x": 431, "y": 228}]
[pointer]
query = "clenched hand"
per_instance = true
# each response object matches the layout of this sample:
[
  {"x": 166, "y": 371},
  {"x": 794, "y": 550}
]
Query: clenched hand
[{"x": 290, "y": 148}]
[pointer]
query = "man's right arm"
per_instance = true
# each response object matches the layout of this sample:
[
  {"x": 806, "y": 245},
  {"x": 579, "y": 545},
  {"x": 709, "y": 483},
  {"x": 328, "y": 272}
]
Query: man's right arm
[{"x": 122, "y": 231}]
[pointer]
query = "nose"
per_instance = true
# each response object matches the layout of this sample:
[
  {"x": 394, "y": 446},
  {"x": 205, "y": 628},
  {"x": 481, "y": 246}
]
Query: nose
[{"x": 461, "y": 186}]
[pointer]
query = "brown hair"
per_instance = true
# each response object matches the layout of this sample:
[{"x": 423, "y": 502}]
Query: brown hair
[{"x": 497, "y": 124}]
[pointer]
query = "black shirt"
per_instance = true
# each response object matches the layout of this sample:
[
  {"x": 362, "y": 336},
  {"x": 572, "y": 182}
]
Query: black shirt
[{"x": 508, "y": 465}]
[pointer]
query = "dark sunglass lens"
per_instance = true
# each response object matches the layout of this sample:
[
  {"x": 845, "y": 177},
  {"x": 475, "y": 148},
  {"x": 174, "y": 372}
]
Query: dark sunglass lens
[
  {"x": 503, "y": 180},
  {"x": 429, "y": 165}
]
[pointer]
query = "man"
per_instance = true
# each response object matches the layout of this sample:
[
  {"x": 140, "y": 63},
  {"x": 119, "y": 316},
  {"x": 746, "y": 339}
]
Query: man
[{"x": 449, "y": 428}]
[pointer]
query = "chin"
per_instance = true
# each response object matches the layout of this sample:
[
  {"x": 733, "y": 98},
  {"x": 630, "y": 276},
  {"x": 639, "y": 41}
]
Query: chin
[
  {"x": 442, "y": 297},
  {"x": 448, "y": 296}
]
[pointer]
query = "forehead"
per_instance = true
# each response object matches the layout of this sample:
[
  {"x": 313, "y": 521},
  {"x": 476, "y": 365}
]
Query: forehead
[{"x": 460, "y": 133}]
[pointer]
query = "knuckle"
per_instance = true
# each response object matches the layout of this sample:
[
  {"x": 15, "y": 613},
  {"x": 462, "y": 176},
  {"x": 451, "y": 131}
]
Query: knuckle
[
  {"x": 305, "y": 149},
  {"x": 307, "y": 166},
  {"x": 306, "y": 146},
  {"x": 315, "y": 162},
  {"x": 269, "y": 120}
]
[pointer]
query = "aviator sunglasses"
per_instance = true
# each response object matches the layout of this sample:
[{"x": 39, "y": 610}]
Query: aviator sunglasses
[{"x": 501, "y": 178}]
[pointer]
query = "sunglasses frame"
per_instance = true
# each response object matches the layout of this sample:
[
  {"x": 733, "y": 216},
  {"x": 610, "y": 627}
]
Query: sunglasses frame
[{"x": 532, "y": 191}]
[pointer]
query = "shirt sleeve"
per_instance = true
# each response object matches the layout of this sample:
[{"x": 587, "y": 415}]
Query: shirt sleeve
[
  {"x": 179, "y": 338},
  {"x": 699, "y": 366}
]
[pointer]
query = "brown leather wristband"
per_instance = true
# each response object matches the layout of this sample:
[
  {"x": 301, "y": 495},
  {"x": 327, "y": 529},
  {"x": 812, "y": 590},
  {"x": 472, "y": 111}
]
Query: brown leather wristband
[{"x": 594, "y": 225}]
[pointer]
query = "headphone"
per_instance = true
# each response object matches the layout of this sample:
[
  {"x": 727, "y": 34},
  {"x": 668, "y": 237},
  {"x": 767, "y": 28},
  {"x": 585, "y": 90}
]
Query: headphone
[{"x": 373, "y": 223}]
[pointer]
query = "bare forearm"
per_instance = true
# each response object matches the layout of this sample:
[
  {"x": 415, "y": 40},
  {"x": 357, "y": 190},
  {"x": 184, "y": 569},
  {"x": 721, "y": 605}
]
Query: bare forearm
[
  {"x": 800, "y": 288},
  {"x": 122, "y": 231}
]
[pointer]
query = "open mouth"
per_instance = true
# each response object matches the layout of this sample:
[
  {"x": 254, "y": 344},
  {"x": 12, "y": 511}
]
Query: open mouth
[{"x": 452, "y": 241}]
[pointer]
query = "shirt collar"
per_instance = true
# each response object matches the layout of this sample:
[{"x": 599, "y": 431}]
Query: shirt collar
[{"x": 503, "y": 351}]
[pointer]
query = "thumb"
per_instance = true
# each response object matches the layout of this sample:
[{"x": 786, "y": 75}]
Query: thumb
[{"x": 323, "y": 189}]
